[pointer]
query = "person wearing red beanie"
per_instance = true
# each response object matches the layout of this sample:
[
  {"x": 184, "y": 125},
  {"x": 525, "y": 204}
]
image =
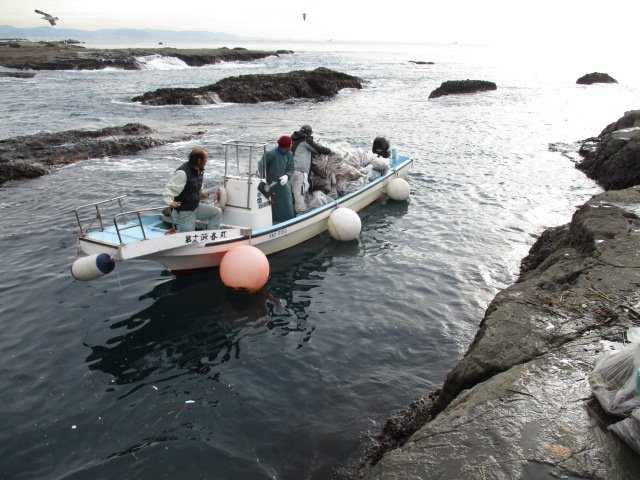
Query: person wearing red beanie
[
  {"x": 284, "y": 142},
  {"x": 277, "y": 167}
]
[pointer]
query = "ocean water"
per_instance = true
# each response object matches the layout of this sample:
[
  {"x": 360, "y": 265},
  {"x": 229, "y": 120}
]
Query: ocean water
[{"x": 143, "y": 375}]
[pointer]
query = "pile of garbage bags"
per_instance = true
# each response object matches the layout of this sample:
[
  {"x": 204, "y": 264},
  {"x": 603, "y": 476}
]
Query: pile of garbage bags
[
  {"x": 342, "y": 172},
  {"x": 615, "y": 382}
]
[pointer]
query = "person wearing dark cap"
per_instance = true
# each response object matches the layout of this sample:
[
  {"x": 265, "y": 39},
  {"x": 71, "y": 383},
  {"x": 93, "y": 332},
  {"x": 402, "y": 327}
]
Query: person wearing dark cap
[
  {"x": 303, "y": 147},
  {"x": 279, "y": 169}
]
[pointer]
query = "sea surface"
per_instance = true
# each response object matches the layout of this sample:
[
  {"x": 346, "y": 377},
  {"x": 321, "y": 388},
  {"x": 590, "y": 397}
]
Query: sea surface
[{"x": 143, "y": 375}]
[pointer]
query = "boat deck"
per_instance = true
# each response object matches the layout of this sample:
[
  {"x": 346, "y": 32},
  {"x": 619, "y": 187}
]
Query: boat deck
[{"x": 131, "y": 231}]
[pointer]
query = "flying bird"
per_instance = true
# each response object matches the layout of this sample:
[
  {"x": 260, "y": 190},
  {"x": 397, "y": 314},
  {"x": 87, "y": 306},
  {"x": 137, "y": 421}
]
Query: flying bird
[
  {"x": 50, "y": 18},
  {"x": 304, "y": 16}
]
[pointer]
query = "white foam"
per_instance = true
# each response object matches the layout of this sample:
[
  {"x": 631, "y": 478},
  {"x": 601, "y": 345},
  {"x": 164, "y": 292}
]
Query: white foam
[{"x": 160, "y": 62}]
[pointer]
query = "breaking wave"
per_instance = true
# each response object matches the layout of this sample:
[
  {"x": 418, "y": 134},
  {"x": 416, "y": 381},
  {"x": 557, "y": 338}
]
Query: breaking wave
[{"x": 160, "y": 62}]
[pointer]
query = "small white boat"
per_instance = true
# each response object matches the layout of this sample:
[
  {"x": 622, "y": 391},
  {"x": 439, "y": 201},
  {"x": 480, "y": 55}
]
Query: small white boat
[{"x": 246, "y": 220}]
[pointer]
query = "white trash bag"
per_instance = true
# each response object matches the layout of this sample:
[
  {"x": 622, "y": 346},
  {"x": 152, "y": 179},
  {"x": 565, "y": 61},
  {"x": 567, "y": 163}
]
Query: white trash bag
[{"x": 613, "y": 380}]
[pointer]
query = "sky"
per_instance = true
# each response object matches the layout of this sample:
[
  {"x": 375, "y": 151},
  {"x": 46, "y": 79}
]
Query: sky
[{"x": 422, "y": 21}]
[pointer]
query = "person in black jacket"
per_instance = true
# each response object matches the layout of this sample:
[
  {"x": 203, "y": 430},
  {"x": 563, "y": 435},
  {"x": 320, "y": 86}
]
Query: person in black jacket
[
  {"x": 184, "y": 191},
  {"x": 303, "y": 147}
]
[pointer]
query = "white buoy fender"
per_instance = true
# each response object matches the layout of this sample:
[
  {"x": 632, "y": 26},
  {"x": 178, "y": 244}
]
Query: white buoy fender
[
  {"x": 344, "y": 224},
  {"x": 398, "y": 189},
  {"x": 244, "y": 268},
  {"x": 92, "y": 267}
]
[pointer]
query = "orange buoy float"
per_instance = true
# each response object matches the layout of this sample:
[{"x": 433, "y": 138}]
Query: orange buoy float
[{"x": 244, "y": 268}]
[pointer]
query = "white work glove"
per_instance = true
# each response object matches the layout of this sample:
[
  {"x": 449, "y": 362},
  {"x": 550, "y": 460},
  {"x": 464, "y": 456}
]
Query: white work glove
[{"x": 283, "y": 179}]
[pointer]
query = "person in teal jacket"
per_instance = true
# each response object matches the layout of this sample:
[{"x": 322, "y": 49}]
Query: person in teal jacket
[{"x": 280, "y": 167}]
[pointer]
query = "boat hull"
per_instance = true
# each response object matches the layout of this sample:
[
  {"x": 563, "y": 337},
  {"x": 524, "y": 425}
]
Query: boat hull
[{"x": 185, "y": 253}]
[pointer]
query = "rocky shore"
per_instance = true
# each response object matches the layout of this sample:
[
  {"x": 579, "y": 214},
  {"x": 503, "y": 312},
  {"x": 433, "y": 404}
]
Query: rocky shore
[
  {"x": 26, "y": 55},
  {"x": 32, "y": 156},
  {"x": 518, "y": 404}
]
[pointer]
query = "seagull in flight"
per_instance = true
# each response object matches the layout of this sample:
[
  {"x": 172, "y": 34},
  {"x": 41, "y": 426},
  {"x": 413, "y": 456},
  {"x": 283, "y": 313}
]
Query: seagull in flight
[
  {"x": 50, "y": 18},
  {"x": 304, "y": 16}
]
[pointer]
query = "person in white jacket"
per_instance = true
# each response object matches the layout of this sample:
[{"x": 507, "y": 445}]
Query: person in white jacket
[
  {"x": 303, "y": 147},
  {"x": 183, "y": 193}
]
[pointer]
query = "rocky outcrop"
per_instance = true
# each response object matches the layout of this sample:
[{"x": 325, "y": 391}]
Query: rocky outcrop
[
  {"x": 613, "y": 158},
  {"x": 518, "y": 404},
  {"x": 17, "y": 74},
  {"x": 32, "y": 156},
  {"x": 595, "y": 77},
  {"x": 453, "y": 87},
  {"x": 318, "y": 83},
  {"x": 64, "y": 56}
]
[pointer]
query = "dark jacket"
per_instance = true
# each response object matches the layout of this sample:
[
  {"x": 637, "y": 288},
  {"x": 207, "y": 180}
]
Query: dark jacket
[{"x": 189, "y": 198}]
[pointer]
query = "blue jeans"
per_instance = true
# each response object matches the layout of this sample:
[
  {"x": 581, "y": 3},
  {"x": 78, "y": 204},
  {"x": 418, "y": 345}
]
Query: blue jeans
[{"x": 186, "y": 220}]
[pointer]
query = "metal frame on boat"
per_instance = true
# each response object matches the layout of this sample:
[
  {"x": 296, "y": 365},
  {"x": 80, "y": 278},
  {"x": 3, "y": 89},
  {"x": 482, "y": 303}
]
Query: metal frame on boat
[{"x": 145, "y": 234}]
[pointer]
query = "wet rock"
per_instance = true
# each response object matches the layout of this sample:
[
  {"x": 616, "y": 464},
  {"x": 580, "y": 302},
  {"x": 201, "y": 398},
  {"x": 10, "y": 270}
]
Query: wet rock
[
  {"x": 535, "y": 420},
  {"x": 453, "y": 87},
  {"x": 613, "y": 158},
  {"x": 595, "y": 253},
  {"x": 518, "y": 404},
  {"x": 31, "y": 156},
  {"x": 65, "y": 56},
  {"x": 318, "y": 83},
  {"x": 17, "y": 74},
  {"x": 595, "y": 77},
  {"x": 13, "y": 170}
]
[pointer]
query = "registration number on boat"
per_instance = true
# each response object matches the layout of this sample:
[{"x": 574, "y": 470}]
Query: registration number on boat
[{"x": 279, "y": 233}]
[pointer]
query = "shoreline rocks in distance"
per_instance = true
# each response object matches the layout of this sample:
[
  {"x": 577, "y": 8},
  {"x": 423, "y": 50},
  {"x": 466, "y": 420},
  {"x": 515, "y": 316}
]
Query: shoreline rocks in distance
[
  {"x": 518, "y": 404},
  {"x": 65, "y": 56},
  {"x": 17, "y": 74},
  {"x": 32, "y": 156},
  {"x": 319, "y": 83},
  {"x": 595, "y": 77},
  {"x": 421, "y": 62},
  {"x": 454, "y": 87}
]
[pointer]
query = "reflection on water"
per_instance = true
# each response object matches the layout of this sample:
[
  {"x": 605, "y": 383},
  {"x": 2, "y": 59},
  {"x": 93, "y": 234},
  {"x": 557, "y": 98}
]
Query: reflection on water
[
  {"x": 169, "y": 335},
  {"x": 195, "y": 324}
]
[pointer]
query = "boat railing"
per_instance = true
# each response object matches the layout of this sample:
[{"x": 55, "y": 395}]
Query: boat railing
[
  {"x": 121, "y": 221},
  {"x": 89, "y": 220},
  {"x": 127, "y": 223}
]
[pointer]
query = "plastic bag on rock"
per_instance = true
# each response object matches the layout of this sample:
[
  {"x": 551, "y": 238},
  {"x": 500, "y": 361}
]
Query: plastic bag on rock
[
  {"x": 629, "y": 430},
  {"x": 613, "y": 380}
]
